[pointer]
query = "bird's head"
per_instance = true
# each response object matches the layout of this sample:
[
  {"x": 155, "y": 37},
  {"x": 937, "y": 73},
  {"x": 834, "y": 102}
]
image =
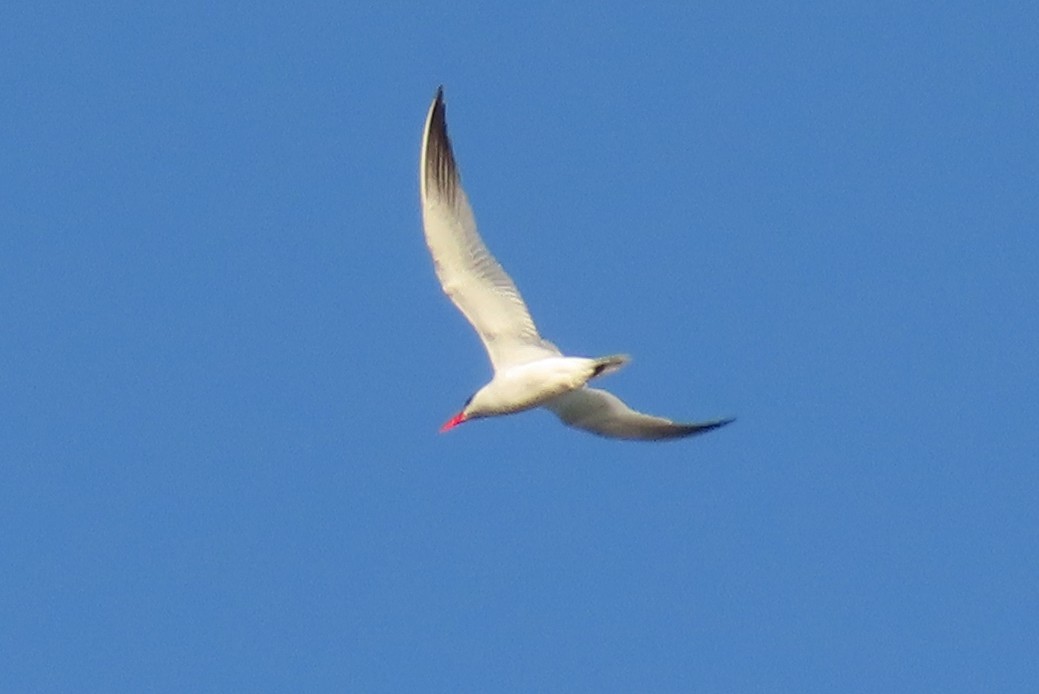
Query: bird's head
[{"x": 464, "y": 415}]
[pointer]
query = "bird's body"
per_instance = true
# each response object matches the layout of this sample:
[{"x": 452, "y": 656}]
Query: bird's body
[
  {"x": 529, "y": 371},
  {"x": 526, "y": 386}
]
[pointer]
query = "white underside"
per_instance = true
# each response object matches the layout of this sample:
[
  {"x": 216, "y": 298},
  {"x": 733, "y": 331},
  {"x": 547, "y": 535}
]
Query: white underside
[{"x": 526, "y": 386}]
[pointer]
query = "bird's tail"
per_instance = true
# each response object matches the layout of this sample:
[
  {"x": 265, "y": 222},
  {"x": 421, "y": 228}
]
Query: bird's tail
[{"x": 607, "y": 365}]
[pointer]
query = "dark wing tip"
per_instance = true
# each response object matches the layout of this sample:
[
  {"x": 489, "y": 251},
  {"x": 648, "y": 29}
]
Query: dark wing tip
[
  {"x": 441, "y": 171},
  {"x": 704, "y": 427}
]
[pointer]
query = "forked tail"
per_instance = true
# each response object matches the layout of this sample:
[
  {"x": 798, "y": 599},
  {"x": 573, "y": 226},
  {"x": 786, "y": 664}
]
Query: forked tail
[{"x": 607, "y": 365}]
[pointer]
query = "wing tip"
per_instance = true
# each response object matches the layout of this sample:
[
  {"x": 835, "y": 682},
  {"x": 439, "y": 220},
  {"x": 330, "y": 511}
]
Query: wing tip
[
  {"x": 439, "y": 170},
  {"x": 719, "y": 423},
  {"x": 437, "y": 107},
  {"x": 703, "y": 427}
]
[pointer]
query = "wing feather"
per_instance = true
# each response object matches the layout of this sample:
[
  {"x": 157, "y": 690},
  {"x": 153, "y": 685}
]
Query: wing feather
[
  {"x": 468, "y": 273},
  {"x": 603, "y": 413}
]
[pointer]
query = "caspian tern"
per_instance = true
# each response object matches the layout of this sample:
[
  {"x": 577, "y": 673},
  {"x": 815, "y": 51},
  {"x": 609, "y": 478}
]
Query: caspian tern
[{"x": 529, "y": 371}]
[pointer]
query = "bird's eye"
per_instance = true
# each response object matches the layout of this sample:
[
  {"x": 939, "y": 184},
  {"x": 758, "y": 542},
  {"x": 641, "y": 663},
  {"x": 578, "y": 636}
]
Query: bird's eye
[{"x": 468, "y": 400}]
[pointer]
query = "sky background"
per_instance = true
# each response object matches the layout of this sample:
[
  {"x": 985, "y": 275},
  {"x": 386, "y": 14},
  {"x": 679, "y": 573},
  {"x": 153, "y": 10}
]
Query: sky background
[{"x": 224, "y": 355}]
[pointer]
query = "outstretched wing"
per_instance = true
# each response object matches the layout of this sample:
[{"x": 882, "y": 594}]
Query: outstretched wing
[
  {"x": 469, "y": 274},
  {"x": 603, "y": 413}
]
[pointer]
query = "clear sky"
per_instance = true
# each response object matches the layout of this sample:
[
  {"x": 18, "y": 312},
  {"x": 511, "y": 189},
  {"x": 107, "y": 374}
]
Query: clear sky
[{"x": 225, "y": 356}]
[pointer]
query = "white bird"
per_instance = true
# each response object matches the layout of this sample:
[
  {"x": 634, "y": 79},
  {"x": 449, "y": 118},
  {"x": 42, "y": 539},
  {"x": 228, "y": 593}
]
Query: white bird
[{"x": 529, "y": 371}]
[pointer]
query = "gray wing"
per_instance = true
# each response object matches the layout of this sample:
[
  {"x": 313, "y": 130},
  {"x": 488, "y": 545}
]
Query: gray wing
[
  {"x": 469, "y": 274},
  {"x": 603, "y": 413}
]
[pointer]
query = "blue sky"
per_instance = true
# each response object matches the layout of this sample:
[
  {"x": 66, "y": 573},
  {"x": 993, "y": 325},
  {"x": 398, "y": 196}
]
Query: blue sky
[{"x": 225, "y": 355}]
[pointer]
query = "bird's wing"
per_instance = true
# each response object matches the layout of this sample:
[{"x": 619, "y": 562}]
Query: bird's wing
[
  {"x": 469, "y": 274},
  {"x": 605, "y": 414}
]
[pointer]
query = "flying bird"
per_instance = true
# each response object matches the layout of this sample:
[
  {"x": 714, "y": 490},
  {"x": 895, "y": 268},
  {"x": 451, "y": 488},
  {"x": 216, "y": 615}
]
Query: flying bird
[{"x": 529, "y": 371}]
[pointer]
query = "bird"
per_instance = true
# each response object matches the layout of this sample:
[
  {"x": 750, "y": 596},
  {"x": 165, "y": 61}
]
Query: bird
[{"x": 529, "y": 371}]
